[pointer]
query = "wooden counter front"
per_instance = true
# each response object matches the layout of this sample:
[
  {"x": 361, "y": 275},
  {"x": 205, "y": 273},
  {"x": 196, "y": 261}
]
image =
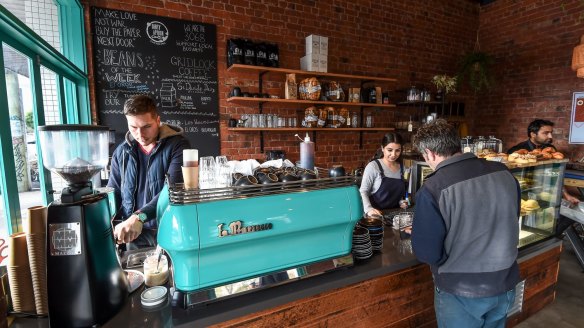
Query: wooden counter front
[{"x": 400, "y": 299}]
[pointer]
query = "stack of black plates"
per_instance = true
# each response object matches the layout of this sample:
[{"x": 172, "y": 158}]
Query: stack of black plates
[
  {"x": 361, "y": 244},
  {"x": 375, "y": 227}
]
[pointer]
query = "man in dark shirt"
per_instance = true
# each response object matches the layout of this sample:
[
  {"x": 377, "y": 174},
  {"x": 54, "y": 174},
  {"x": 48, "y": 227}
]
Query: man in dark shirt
[
  {"x": 540, "y": 136},
  {"x": 539, "y": 133},
  {"x": 150, "y": 151}
]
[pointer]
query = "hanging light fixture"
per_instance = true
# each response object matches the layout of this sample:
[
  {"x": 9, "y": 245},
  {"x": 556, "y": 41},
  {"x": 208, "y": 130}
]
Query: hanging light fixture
[{"x": 578, "y": 58}]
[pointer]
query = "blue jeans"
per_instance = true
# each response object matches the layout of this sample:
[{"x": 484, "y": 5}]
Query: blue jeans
[{"x": 454, "y": 311}]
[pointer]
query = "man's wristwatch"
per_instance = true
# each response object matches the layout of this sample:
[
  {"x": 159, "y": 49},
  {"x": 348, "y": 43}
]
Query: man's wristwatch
[{"x": 141, "y": 216}]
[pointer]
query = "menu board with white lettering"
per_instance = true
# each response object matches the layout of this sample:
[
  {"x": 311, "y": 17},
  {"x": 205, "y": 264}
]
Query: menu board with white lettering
[{"x": 172, "y": 60}]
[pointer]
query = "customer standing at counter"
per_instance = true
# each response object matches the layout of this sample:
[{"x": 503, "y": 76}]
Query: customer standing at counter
[
  {"x": 383, "y": 186},
  {"x": 138, "y": 169},
  {"x": 540, "y": 136},
  {"x": 465, "y": 228}
]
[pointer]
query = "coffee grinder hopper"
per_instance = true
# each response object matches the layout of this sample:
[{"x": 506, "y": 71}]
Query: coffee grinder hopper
[{"x": 76, "y": 152}]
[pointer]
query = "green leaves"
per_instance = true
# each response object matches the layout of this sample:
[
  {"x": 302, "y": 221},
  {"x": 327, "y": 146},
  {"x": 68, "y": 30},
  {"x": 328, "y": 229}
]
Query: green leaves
[{"x": 475, "y": 71}]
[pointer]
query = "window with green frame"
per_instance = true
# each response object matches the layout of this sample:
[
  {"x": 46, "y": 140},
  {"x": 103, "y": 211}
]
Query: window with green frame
[{"x": 36, "y": 76}]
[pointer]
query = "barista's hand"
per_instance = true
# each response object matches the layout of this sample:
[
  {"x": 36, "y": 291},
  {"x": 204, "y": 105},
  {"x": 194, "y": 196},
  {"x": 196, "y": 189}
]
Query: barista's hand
[
  {"x": 128, "y": 230},
  {"x": 374, "y": 212}
]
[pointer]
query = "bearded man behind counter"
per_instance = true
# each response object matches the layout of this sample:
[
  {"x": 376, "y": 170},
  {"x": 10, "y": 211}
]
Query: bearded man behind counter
[
  {"x": 139, "y": 167},
  {"x": 539, "y": 134},
  {"x": 465, "y": 227}
]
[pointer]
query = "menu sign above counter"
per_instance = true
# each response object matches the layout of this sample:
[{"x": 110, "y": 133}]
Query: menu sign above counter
[{"x": 174, "y": 61}]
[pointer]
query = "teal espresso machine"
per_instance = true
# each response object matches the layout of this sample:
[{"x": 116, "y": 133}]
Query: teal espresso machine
[
  {"x": 85, "y": 282},
  {"x": 223, "y": 242}
]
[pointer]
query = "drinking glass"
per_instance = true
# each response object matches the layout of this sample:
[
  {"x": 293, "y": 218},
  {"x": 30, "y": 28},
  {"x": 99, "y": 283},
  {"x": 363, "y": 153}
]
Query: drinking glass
[
  {"x": 270, "y": 121},
  {"x": 275, "y": 119},
  {"x": 207, "y": 172},
  {"x": 255, "y": 120},
  {"x": 222, "y": 172},
  {"x": 262, "y": 120}
]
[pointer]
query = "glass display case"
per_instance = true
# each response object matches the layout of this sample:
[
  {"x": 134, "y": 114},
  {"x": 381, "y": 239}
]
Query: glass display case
[{"x": 541, "y": 194}]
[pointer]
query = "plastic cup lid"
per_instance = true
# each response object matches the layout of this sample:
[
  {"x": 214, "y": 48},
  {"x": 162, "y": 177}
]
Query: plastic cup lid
[{"x": 153, "y": 296}]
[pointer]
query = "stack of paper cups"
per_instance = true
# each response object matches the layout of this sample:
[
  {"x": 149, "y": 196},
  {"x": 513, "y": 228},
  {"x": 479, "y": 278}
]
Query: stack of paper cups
[
  {"x": 36, "y": 241},
  {"x": 19, "y": 274},
  {"x": 190, "y": 168}
]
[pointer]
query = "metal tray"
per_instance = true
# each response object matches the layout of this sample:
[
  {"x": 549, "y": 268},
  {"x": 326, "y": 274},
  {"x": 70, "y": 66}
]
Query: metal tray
[{"x": 179, "y": 195}]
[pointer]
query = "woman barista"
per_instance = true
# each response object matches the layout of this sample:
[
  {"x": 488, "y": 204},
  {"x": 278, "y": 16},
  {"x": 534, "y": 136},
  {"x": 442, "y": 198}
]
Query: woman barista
[{"x": 383, "y": 186}]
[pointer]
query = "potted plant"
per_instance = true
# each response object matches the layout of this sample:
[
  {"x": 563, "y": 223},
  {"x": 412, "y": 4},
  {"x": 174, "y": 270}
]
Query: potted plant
[
  {"x": 475, "y": 70},
  {"x": 444, "y": 85}
]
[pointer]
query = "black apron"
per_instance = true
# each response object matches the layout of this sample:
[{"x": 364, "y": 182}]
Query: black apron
[{"x": 390, "y": 192}]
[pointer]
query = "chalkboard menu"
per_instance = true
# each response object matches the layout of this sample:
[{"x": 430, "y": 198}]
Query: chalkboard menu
[{"x": 174, "y": 61}]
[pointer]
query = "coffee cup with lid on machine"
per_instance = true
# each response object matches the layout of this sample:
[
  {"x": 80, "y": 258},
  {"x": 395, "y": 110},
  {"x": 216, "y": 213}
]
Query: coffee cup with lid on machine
[{"x": 85, "y": 282}]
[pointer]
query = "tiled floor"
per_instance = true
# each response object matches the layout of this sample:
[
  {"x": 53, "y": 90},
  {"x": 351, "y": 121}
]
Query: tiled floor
[{"x": 567, "y": 311}]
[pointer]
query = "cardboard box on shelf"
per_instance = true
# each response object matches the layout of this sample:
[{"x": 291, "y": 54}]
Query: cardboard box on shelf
[
  {"x": 310, "y": 63},
  {"x": 323, "y": 63},
  {"x": 378, "y": 95},
  {"x": 312, "y": 44},
  {"x": 324, "y": 45}
]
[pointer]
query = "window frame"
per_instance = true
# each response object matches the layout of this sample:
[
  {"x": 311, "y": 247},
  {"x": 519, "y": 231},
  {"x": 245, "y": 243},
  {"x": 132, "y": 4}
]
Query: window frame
[{"x": 72, "y": 90}]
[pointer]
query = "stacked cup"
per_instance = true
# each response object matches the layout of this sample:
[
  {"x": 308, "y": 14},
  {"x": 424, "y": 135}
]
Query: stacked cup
[
  {"x": 19, "y": 274},
  {"x": 37, "y": 255},
  {"x": 190, "y": 168}
]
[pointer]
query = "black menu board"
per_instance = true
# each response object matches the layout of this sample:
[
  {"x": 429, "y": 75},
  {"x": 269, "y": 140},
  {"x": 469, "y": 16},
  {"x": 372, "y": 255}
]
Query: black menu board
[{"x": 175, "y": 61}]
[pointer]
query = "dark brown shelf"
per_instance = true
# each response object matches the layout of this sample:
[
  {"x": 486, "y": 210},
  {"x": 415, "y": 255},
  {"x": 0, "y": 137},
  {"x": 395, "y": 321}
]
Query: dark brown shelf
[
  {"x": 296, "y": 101},
  {"x": 262, "y": 69}
]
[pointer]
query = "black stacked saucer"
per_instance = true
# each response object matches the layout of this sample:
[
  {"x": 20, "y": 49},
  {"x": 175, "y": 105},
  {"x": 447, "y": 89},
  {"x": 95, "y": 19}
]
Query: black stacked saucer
[
  {"x": 362, "y": 248},
  {"x": 375, "y": 228}
]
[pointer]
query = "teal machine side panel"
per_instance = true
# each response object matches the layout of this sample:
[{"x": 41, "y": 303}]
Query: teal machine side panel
[
  {"x": 305, "y": 227},
  {"x": 178, "y": 235}
]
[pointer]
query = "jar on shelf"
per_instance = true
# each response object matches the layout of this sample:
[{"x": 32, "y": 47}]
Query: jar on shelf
[
  {"x": 413, "y": 94},
  {"x": 369, "y": 120},
  {"x": 355, "y": 120},
  {"x": 467, "y": 145},
  {"x": 479, "y": 144},
  {"x": 495, "y": 144}
]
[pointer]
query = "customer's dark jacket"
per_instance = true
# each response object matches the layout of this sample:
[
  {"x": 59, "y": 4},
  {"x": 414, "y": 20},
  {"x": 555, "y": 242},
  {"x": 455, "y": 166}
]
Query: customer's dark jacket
[
  {"x": 166, "y": 157},
  {"x": 466, "y": 226}
]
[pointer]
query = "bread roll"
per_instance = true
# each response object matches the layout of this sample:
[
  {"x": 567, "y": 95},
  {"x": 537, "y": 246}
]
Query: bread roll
[
  {"x": 522, "y": 151},
  {"x": 548, "y": 150},
  {"x": 558, "y": 155}
]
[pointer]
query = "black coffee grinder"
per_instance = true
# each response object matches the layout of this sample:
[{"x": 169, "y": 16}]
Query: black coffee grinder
[{"x": 85, "y": 282}]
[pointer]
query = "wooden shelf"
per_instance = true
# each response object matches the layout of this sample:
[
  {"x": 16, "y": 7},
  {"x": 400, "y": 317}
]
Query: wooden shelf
[
  {"x": 307, "y": 129},
  {"x": 295, "y": 101},
  {"x": 262, "y": 69}
]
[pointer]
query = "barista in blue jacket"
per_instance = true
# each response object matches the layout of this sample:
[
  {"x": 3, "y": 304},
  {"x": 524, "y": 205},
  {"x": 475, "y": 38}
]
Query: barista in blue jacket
[
  {"x": 465, "y": 227},
  {"x": 139, "y": 167},
  {"x": 383, "y": 185}
]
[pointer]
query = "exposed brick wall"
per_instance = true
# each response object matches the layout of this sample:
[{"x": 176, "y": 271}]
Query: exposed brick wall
[
  {"x": 532, "y": 42},
  {"x": 410, "y": 41}
]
